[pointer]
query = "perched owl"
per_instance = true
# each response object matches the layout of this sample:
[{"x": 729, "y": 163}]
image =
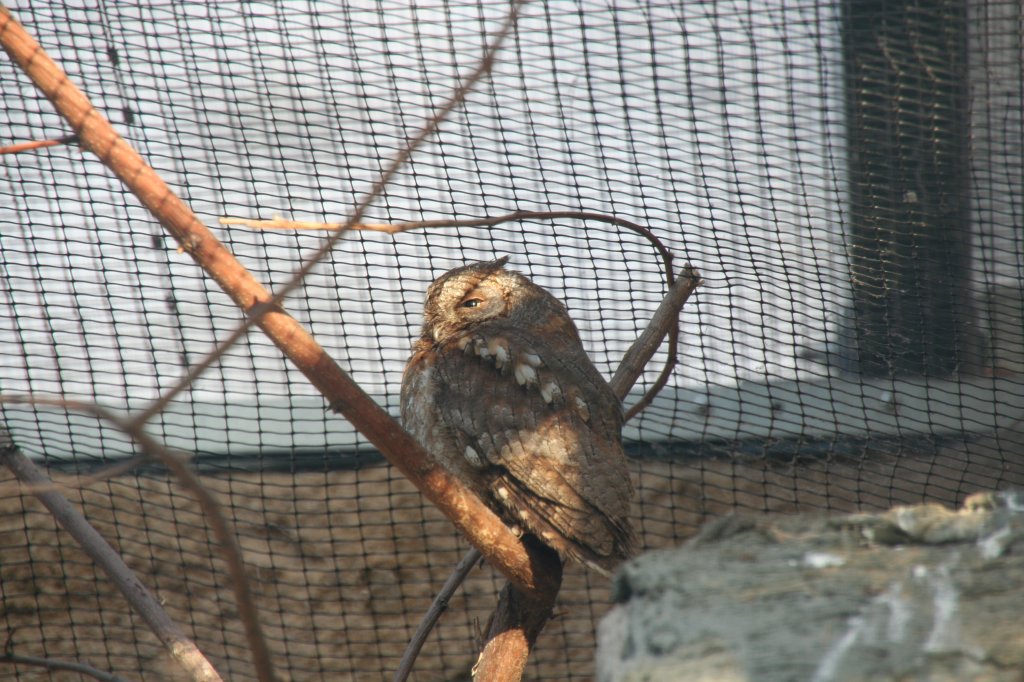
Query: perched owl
[{"x": 501, "y": 392}]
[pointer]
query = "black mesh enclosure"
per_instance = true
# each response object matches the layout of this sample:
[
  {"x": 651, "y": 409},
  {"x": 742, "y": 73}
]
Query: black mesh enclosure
[{"x": 846, "y": 176}]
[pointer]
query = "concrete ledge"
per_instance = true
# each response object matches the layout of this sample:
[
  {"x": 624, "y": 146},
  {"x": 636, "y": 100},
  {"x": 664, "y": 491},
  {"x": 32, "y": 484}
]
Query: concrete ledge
[{"x": 914, "y": 593}]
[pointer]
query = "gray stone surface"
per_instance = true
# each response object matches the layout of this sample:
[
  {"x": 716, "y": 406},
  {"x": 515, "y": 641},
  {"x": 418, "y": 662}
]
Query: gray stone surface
[{"x": 916, "y": 593}]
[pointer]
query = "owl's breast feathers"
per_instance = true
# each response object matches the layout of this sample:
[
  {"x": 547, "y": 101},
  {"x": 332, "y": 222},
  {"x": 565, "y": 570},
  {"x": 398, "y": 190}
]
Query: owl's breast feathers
[{"x": 531, "y": 425}]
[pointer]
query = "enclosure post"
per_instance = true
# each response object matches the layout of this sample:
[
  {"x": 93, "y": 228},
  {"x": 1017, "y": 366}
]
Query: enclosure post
[{"x": 909, "y": 229}]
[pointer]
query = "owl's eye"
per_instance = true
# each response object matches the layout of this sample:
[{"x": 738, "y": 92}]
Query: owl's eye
[{"x": 471, "y": 303}]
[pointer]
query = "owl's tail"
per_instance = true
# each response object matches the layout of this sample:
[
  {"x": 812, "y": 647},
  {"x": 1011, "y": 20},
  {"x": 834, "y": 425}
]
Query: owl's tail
[{"x": 574, "y": 528}]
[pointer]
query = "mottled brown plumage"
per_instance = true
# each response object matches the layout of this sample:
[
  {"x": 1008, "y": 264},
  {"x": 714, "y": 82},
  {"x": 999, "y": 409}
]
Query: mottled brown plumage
[{"x": 501, "y": 392}]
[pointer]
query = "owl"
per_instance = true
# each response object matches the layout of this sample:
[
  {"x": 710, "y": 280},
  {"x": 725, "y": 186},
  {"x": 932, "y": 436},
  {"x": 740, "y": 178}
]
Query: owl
[{"x": 501, "y": 392}]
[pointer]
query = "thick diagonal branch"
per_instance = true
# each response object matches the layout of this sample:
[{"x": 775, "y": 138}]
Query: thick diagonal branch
[{"x": 469, "y": 514}]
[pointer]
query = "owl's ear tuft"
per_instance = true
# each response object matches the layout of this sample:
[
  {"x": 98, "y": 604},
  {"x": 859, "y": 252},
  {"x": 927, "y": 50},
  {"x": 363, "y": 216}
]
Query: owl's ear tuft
[
  {"x": 485, "y": 268},
  {"x": 491, "y": 266}
]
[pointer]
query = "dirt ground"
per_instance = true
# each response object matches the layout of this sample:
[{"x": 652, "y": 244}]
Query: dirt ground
[{"x": 345, "y": 562}]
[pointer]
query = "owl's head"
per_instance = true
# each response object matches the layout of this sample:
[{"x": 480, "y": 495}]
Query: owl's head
[
  {"x": 478, "y": 293},
  {"x": 466, "y": 296}
]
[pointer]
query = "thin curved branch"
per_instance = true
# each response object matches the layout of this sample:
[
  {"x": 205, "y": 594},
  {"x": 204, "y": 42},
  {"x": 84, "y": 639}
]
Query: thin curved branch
[
  {"x": 78, "y": 481},
  {"x": 279, "y": 223},
  {"x": 212, "y": 509},
  {"x": 672, "y": 330},
  {"x": 262, "y": 303}
]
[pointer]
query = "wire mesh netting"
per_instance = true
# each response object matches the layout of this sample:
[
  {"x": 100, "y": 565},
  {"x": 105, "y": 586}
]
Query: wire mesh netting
[{"x": 847, "y": 177}]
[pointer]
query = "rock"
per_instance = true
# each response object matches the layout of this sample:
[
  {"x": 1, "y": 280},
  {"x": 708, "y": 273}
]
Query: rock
[{"x": 915, "y": 593}]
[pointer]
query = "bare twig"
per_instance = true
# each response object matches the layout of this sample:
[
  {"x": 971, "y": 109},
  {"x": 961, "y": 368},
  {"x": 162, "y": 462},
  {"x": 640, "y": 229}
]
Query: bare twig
[
  {"x": 37, "y": 144},
  {"x": 181, "y": 648},
  {"x": 433, "y": 614},
  {"x": 262, "y": 303},
  {"x": 55, "y": 664}
]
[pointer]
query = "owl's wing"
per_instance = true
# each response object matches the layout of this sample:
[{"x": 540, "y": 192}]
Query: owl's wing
[{"x": 535, "y": 418}]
